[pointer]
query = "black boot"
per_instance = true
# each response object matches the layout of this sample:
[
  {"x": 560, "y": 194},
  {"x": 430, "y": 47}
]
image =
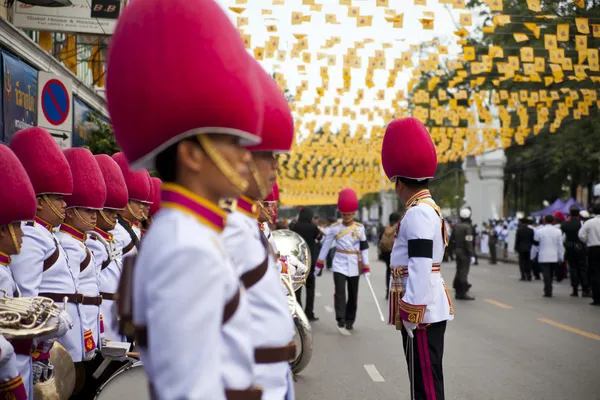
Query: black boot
[
  {"x": 464, "y": 296},
  {"x": 350, "y": 325},
  {"x": 585, "y": 292},
  {"x": 341, "y": 323},
  {"x": 575, "y": 292}
]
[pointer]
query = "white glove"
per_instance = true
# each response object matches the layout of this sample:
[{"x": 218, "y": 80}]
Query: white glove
[
  {"x": 64, "y": 322},
  {"x": 410, "y": 327},
  {"x": 317, "y": 271},
  {"x": 42, "y": 371},
  {"x": 6, "y": 351},
  {"x": 472, "y": 260},
  {"x": 89, "y": 355}
]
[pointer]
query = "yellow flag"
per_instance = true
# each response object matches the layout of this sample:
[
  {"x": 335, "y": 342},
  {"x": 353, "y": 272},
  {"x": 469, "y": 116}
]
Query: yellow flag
[
  {"x": 596, "y": 30},
  {"x": 579, "y": 3},
  {"x": 427, "y": 24},
  {"x": 237, "y": 10},
  {"x": 259, "y": 53},
  {"x": 534, "y": 5},
  {"x": 488, "y": 29},
  {"x": 383, "y": 3},
  {"x": 582, "y": 25},
  {"x": 593, "y": 60},
  {"x": 580, "y": 42},
  {"x": 271, "y": 28},
  {"x": 533, "y": 28},
  {"x": 266, "y": 12},
  {"x": 495, "y": 5},
  {"x": 459, "y": 4},
  {"x": 363, "y": 21},
  {"x": 469, "y": 53},
  {"x": 330, "y": 19},
  {"x": 420, "y": 2},
  {"x": 466, "y": 19},
  {"x": 550, "y": 42},
  {"x": 562, "y": 32},
  {"x": 526, "y": 54}
]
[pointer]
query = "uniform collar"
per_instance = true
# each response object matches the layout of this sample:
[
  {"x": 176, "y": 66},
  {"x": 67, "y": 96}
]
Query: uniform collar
[
  {"x": 43, "y": 223},
  {"x": 105, "y": 235},
  {"x": 177, "y": 197},
  {"x": 248, "y": 207},
  {"x": 4, "y": 259},
  {"x": 128, "y": 221},
  {"x": 423, "y": 194},
  {"x": 74, "y": 232}
]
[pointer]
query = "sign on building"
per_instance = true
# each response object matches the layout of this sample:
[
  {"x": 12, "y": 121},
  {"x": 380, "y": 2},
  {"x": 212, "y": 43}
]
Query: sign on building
[
  {"x": 20, "y": 90},
  {"x": 83, "y": 16},
  {"x": 55, "y": 111}
]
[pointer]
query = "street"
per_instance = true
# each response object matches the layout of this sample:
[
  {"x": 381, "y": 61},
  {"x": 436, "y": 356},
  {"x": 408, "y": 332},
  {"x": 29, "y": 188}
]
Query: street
[{"x": 508, "y": 344}]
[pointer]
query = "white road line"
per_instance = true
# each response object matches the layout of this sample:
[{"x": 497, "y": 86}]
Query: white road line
[
  {"x": 344, "y": 331},
  {"x": 318, "y": 294},
  {"x": 328, "y": 308},
  {"x": 373, "y": 373}
]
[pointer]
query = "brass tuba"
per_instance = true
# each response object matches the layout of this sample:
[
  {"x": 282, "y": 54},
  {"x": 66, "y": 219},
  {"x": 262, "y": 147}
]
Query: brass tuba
[{"x": 290, "y": 243}]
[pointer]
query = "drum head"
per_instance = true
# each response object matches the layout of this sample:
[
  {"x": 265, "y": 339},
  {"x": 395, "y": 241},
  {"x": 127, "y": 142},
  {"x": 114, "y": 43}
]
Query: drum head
[{"x": 129, "y": 382}]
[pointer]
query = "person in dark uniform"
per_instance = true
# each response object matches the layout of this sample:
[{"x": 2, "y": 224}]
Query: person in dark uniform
[
  {"x": 575, "y": 253},
  {"x": 329, "y": 258},
  {"x": 493, "y": 243},
  {"x": 463, "y": 237},
  {"x": 523, "y": 244},
  {"x": 311, "y": 233}
]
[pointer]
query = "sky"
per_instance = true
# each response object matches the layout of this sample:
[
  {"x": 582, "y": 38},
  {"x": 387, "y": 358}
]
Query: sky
[{"x": 318, "y": 32}]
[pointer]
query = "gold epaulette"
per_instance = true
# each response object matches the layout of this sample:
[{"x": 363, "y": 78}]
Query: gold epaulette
[{"x": 335, "y": 224}]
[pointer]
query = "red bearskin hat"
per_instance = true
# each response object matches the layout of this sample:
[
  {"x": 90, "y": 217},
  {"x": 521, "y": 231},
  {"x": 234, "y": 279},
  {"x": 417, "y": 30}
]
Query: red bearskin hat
[
  {"x": 278, "y": 124},
  {"x": 274, "y": 195},
  {"x": 17, "y": 197},
  {"x": 45, "y": 163},
  {"x": 155, "y": 205},
  {"x": 207, "y": 84},
  {"x": 408, "y": 151},
  {"x": 347, "y": 201},
  {"x": 116, "y": 188},
  {"x": 138, "y": 184},
  {"x": 89, "y": 189}
]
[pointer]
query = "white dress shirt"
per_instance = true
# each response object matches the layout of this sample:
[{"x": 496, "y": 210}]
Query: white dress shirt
[
  {"x": 548, "y": 245},
  {"x": 590, "y": 232}
]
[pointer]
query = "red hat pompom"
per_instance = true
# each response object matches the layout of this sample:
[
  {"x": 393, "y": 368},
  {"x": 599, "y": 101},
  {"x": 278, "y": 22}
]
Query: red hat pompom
[
  {"x": 155, "y": 205},
  {"x": 43, "y": 160},
  {"x": 89, "y": 189},
  {"x": 274, "y": 195},
  {"x": 408, "y": 151},
  {"x": 202, "y": 79},
  {"x": 347, "y": 201},
  {"x": 278, "y": 123},
  {"x": 138, "y": 184},
  {"x": 17, "y": 197},
  {"x": 117, "y": 195}
]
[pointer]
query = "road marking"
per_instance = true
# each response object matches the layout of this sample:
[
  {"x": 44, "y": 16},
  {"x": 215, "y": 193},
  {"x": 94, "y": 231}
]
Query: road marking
[
  {"x": 328, "y": 308},
  {"x": 570, "y": 329},
  {"x": 344, "y": 331},
  {"x": 373, "y": 373},
  {"x": 318, "y": 294},
  {"x": 498, "y": 304}
]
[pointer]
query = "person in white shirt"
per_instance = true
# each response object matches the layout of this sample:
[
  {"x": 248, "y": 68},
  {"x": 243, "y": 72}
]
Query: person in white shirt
[
  {"x": 590, "y": 235},
  {"x": 548, "y": 247}
]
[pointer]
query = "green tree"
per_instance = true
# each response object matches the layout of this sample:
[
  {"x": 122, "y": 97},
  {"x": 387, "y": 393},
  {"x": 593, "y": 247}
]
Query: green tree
[{"x": 102, "y": 137}]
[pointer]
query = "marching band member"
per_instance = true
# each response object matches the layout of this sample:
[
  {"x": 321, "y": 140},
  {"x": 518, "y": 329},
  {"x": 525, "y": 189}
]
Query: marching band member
[
  {"x": 127, "y": 233},
  {"x": 139, "y": 225},
  {"x": 42, "y": 268},
  {"x": 268, "y": 215},
  {"x": 17, "y": 203},
  {"x": 190, "y": 314},
  {"x": 155, "y": 205},
  {"x": 350, "y": 261},
  {"x": 419, "y": 302},
  {"x": 107, "y": 251},
  {"x": 272, "y": 326}
]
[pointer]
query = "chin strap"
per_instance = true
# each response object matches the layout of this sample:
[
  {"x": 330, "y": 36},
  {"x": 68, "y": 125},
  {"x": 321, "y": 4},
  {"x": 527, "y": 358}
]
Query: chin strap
[
  {"x": 264, "y": 212},
  {"x": 222, "y": 164},
  {"x": 13, "y": 236},
  {"x": 139, "y": 216},
  {"x": 107, "y": 220},
  {"x": 83, "y": 221},
  {"x": 54, "y": 209},
  {"x": 260, "y": 183}
]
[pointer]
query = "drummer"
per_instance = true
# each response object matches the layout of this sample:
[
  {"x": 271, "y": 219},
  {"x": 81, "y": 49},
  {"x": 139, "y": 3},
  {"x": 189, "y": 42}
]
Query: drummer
[{"x": 272, "y": 326}]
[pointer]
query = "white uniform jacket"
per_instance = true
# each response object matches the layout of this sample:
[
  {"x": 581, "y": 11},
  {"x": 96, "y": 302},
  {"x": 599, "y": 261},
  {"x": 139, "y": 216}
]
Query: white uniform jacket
[
  {"x": 124, "y": 240},
  {"x": 350, "y": 244},
  {"x": 183, "y": 280},
  {"x": 272, "y": 325},
  {"x": 83, "y": 265},
  {"x": 12, "y": 385},
  {"x": 109, "y": 274},
  {"x": 34, "y": 278},
  {"x": 548, "y": 245},
  {"x": 415, "y": 260}
]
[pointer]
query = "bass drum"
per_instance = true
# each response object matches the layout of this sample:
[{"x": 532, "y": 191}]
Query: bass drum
[
  {"x": 129, "y": 382},
  {"x": 303, "y": 339}
]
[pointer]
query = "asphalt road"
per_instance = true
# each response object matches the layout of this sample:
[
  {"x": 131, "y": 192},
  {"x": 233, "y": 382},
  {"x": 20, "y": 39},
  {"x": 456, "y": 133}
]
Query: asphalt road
[{"x": 509, "y": 344}]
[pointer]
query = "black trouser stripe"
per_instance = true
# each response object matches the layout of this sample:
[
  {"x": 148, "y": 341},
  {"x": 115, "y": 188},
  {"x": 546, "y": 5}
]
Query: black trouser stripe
[{"x": 420, "y": 248}]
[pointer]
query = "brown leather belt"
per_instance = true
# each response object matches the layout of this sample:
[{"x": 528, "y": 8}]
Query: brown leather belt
[
  {"x": 76, "y": 298},
  {"x": 84, "y": 264},
  {"x": 92, "y": 301},
  {"x": 272, "y": 355},
  {"x": 108, "y": 296},
  {"x": 253, "y": 393},
  {"x": 347, "y": 251},
  {"x": 128, "y": 248},
  {"x": 50, "y": 261},
  {"x": 106, "y": 263},
  {"x": 252, "y": 277}
]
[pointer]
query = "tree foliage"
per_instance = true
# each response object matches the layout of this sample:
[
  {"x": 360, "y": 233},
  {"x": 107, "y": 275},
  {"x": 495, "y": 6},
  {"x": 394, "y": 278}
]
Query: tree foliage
[{"x": 102, "y": 138}]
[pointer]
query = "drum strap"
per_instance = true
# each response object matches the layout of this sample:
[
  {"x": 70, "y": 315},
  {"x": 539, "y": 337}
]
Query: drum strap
[
  {"x": 272, "y": 355},
  {"x": 84, "y": 264},
  {"x": 50, "y": 261}
]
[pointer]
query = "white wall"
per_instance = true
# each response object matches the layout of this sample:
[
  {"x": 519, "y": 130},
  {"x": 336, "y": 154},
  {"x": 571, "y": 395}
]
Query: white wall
[{"x": 484, "y": 189}]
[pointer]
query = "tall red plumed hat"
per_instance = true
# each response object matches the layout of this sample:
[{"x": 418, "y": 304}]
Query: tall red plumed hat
[
  {"x": 43, "y": 160},
  {"x": 149, "y": 198},
  {"x": 117, "y": 195},
  {"x": 156, "y": 185},
  {"x": 17, "y": 197},
  {"x": 207, "y": 83},
  {"x": 408, "y": 151},
  {"x": 138, "y": 184},
  {"x": 274, "y": 195},
  {"x": 89, "y": 189},
  {"x": 559, "y": 217},
  {"x": 347, "y": 201},
  {"x": 278, "y": 124}
]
